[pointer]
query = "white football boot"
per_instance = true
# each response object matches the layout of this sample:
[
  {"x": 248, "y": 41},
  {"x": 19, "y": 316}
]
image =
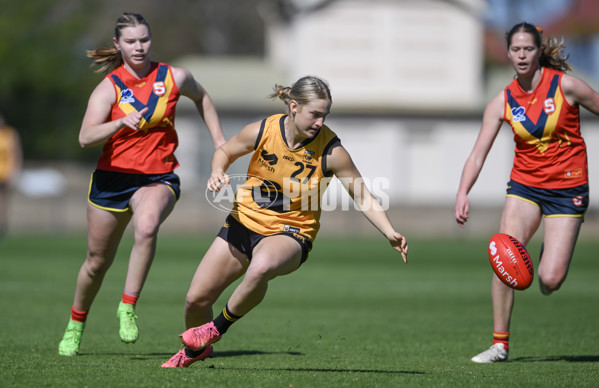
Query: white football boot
[{"x": 495, "y": 353}]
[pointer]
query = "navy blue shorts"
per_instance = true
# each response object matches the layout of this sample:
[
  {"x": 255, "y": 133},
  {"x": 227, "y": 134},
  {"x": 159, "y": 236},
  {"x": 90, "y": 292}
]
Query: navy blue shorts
[
  {"x": 571, "y": 202},
  {"x": 244, "y": 239},
  {"x": 112, "y": 191}
]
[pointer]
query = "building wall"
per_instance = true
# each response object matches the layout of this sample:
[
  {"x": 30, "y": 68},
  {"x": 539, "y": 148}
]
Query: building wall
[
  {"x": 408, "y": 93},
  {"x": 383, "y": 60},
  {"x": 387, "y": 55}
]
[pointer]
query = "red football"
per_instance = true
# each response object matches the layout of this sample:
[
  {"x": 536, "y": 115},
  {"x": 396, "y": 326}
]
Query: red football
[{"x": 510, "y": 261}]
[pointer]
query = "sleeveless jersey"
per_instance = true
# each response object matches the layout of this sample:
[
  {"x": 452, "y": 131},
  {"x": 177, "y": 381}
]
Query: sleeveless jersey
[
  {"x": 150, "y": 149},
  {"x": 550, "y": 151},
  {"x": 284, "y": 186}
]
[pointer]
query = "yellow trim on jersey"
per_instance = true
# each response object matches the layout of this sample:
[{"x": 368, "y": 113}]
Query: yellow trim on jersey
[
  {"x": 158, "y": 109},
  {"x": 161, "y": 108},
  {"x": 128, "y": 108},
  {"x": 548, "y": 132}
]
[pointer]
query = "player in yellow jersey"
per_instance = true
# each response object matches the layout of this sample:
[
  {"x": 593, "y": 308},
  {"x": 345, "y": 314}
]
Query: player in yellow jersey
[
  {"x": 131, "y": 113},
  {"x": 275, "y": 217}
]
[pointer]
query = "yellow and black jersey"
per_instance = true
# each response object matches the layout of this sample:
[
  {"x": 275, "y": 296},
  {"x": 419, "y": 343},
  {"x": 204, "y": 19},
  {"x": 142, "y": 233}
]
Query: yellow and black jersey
[{"x": 284, "y": 186}]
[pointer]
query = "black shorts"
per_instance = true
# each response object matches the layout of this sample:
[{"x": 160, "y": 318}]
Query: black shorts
[
  {"x": 112, "y": 191},
  {"x": 244, "y": 239}
]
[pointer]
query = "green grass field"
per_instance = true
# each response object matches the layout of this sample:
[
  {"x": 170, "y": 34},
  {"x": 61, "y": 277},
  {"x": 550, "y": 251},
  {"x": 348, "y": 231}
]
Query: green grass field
[{"x": 353, "y": 316}]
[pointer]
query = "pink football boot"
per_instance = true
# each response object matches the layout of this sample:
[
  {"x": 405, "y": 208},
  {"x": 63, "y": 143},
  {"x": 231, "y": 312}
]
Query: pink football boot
[
  {"x": 199, "y": 337},
  {"x": 180, "y": 360}
]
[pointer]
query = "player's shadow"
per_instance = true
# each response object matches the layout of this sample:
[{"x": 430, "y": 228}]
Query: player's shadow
[
  {"x": 255, "y": 352},
  {"x": 236, "y": 353},
  {"x": 331, "y": 370},
  {"x": 583, "y": 358}
]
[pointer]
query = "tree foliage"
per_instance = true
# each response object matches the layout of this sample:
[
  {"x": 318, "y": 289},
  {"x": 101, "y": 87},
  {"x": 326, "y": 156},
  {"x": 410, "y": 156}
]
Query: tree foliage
[{"x": 46, "y": 77}]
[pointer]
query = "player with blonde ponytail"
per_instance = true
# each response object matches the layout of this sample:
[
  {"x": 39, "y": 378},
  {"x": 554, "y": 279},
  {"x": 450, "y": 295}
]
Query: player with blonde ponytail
[{"x": 262, "y": 240}]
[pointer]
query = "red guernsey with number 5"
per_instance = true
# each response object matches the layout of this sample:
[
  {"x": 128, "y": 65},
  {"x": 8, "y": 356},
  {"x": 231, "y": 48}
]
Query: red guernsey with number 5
[{"x": 510, "y": 261}]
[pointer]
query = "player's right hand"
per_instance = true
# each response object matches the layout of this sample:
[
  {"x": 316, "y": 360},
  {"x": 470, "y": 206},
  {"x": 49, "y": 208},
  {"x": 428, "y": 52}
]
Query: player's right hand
[
  {"x": 133, "y": 119},
  {"x": 217, "y": 180}
]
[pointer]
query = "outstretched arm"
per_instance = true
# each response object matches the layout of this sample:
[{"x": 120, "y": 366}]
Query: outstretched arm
[
  {"x": 341, "y": 164},
  {"x": 492, "y": 120}
]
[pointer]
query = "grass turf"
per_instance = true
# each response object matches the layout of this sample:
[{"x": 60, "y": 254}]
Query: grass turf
[{"x": 353, "y": 316}]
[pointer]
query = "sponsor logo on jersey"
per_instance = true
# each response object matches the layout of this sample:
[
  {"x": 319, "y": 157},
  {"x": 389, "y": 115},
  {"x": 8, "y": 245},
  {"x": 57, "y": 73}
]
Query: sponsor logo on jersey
[
  {"x": 519, "y": 113},
  {"x": 287, "y": 228},
  {"x": 272, "y": 159},
  {"x": 574, "y": 173},
  {"x": 127, "y": 96},
  {"x": 308, "y": 156}
]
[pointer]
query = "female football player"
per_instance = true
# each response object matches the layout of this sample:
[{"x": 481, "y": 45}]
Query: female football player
[
  {"x": 131, "y": 113},
  {"x": 275, "y": 217},
  {"x": 549, "y": 178}
]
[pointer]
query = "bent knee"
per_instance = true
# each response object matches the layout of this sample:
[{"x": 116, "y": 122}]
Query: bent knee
[
  {"x": 147, "y": 229},
  {"x": 198, "y": 301},
  {"x": 261, "y": 272},
  {"x": 96, "y": 266},
  {"x": 552, "y": 281}
]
